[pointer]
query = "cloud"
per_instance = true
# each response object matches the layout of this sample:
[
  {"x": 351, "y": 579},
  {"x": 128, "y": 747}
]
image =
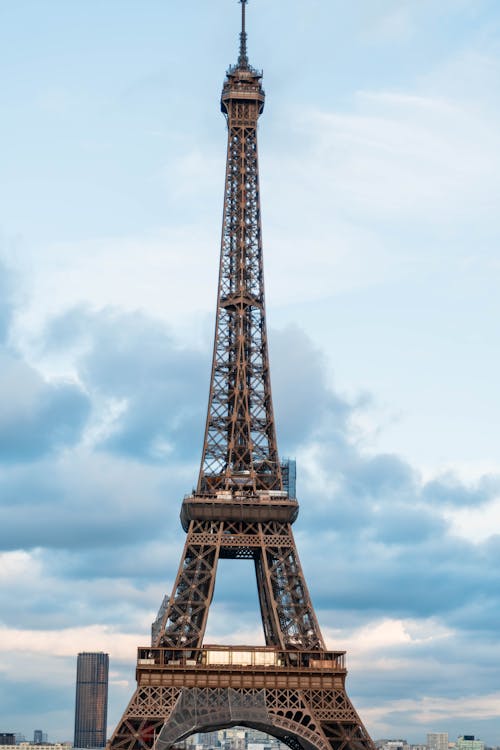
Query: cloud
[
  {"x": 405, "y": 178},
  {"x": 84, "y": 500},
  {"x": 16, "y": 564},
  {"x": 383, "y": 653},
  {"x": 107, "y": 505},
  {"x": 134, "y": 361},
  {"x": 5, "y": 302},
  {"x": 392, "y": 546},
  {"x": 433, "y": 711},
  {"x": 36, "y": 416},
  {"x": 447, "y": 490},
  {"x": 424, "y": 149},
  {"x": 478, "y": 527},
  {"x": 61, "y": 642},
  {"x": 150, "y": 271},
  {"x": 414, "y": 722},
  {"x": 43, "y": 597},
  {"x": 301, "y": 391}
]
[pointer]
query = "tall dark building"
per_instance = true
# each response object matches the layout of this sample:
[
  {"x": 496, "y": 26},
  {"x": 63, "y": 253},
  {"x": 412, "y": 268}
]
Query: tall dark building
[{"x": 91, "y": 708}]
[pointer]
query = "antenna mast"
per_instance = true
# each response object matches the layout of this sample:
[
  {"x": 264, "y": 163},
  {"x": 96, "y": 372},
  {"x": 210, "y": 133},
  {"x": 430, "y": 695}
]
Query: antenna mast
[{"x": 243, "y": 57}]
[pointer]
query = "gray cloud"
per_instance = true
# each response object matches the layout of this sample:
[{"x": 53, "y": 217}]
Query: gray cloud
[
  {"x": 448, "y": 490},
  {"x": 84, "y": 501},
  {"x": 103, "y": 518},
  {"x": 36, "y": 416},
  {"x": 14, "y": 696},
  {"x": 301, "y": 393},
  {"x": 390, "y": 548},
  {"x": 5, "y": 303},
  {"x": 135, "y": 360}
]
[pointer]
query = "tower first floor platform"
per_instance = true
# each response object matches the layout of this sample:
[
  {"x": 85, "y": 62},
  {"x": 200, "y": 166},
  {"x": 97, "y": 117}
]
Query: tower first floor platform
[{"x": 297, "y": 696}]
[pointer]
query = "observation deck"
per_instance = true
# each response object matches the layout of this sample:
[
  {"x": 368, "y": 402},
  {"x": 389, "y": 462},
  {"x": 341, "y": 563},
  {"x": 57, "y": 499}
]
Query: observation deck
[
  {"x": 243, "y": 85},
  {"x": 231, "y": 505},
  {"x": 240, "y": 667}
]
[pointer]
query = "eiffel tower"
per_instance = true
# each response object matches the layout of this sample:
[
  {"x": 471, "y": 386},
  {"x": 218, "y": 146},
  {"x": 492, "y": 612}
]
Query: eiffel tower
[{"x": 243, "y": 509}]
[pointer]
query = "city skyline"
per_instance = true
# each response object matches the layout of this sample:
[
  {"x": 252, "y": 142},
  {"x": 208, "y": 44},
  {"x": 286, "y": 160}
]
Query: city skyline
[
  {"x": 378, "y": 159},
  {"x": 243, "y": 738}
]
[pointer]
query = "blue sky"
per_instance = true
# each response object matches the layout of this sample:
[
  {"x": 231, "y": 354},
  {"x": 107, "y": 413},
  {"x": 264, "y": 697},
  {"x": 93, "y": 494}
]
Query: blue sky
[{"x": 380, "y": 164}]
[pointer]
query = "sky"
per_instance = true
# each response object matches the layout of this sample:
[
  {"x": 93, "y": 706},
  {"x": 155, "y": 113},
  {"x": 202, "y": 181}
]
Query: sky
[{"x": 380, "y": 184}]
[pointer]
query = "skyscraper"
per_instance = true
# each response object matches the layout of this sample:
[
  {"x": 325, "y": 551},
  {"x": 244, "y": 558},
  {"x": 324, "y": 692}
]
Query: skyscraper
[{"x": 91, "y": 707}]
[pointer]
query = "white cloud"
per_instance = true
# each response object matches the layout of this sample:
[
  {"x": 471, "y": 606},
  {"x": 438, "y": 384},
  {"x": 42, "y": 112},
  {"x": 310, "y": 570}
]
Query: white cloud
[
  {"x": 66, "y": 641},
  {"x": 406, "y": 157},
  {"x": 474, "y": 525},
  {"x": 151, "y": 272},
  {"x": 18, "y": 564},
  {"x": 425, "y": 160},
  {"x": 432, "y": 711},
  {"x": 377, "y": 635},
  {"x": 387, "y": 646}
]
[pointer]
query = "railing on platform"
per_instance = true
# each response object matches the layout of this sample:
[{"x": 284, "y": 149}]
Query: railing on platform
[
  {"x": 259, "y": 496},
  {"x": 240, "y": 657}
]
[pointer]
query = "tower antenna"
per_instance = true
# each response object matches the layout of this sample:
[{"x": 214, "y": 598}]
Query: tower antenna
[{"x": 243, "y": 58}]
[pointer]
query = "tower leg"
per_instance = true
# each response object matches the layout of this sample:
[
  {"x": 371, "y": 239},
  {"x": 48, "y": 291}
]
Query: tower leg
[
  {"x": 287, "y": 612},
  {"x": 186, "y": 615},
  {"x": 144, "y": 717}
]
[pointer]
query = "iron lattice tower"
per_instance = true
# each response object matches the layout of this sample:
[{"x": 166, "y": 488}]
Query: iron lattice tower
[
  {"x": 240, "y": 450},
  {"x": 293, "y": 688}
]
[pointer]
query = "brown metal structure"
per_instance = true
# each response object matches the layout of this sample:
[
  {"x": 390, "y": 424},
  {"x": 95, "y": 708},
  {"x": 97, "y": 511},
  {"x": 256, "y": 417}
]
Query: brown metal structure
[{"x": 293, "y": 688}]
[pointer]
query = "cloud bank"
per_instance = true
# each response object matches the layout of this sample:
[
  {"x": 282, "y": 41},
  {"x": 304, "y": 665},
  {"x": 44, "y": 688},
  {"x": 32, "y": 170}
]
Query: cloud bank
[{"x": 91, "y": 540}]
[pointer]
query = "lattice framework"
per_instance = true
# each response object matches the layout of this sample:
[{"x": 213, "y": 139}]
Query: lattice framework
[{"x": 240, "y": 449}]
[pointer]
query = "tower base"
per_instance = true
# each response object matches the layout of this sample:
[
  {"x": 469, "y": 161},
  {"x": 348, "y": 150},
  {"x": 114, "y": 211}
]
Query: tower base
[{"x": 296, "y": 696}]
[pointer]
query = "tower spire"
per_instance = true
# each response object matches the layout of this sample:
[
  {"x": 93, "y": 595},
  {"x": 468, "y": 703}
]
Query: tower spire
[{"x": 243, "y": 57}]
